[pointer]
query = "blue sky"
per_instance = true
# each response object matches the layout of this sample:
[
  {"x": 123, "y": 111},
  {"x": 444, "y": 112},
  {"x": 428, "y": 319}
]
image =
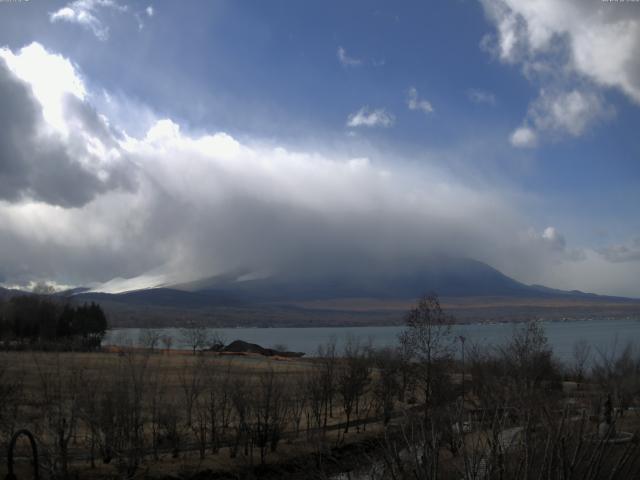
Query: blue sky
[{"x": 506, "y": 101}]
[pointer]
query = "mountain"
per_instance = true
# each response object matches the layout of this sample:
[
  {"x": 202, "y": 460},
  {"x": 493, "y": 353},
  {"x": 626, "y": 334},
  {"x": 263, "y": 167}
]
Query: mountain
[
  {"x": 6, "y": 293},
  {"x": 163, "y": 297},
  {"x": 446, "y": 276},
  {"x": 472, "y": 290}
]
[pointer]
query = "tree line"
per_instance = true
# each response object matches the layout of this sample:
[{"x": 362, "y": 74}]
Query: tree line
[{"x": 42, "y": 320}]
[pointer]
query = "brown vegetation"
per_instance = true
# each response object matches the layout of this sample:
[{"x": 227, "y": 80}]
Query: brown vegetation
[{"x": 413, "y": 411}]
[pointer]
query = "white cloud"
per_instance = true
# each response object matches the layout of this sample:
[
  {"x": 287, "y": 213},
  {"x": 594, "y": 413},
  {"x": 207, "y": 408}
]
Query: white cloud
[
  {"x": 366, "y": 117},
  {"x": 481, "y": 96},
  {"x": 149, "y": 10},
  {"x": 573, "y": 47},
  {"x": 571, "y": 112},
  {"x": 55, "y": 147},
  {"x": 86, "y": 14},
  {"x": 554, "y": 246},
  {"x": 600, "y": 39},
  {"x": 549, "y": 238},
  {"x": 524, "y": 137},
  {"x": 208, "y": 203},
  {"x": 554, "y": 239},
  {"x": 347, "y": 61},
  {"x": 414, "y": 102},
  {"x": 176, "y": 206},
  {"x": 629, "y": 252},
  {"x": 50, "y": 90},
  {"x": 556, "y": 114}
]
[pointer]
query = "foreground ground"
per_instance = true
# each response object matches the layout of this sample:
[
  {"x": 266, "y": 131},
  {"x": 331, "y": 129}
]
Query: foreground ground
[
  {"x": 76, "y": 399},
  {"x": 508, "y": 412}
]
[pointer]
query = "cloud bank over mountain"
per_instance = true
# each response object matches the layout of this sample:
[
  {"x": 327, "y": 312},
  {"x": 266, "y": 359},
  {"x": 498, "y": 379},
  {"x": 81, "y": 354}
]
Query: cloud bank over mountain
[{"x": 85, "y": 202}]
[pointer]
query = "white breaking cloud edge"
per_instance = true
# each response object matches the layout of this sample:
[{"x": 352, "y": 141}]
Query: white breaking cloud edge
[
  {"x": 563, "y": 45},
  {"x": 347, "y": 61},
  {"x": 367, "y": 117},
  {"x": 86, "y": 14},
  {"x": 621, "y": 253},
  {"x": 556, "y": 114},
  {"x": 524, "y": 137},
  {"x": 189, "y": 206},
  {"x": 481, "y": 96},
  {"x": 414, "y": 102},
  {"x": 572, "y": 112}
]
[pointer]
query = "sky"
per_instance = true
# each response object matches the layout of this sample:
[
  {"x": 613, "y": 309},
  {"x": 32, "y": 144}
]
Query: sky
[{"x": 149, "y": 143}]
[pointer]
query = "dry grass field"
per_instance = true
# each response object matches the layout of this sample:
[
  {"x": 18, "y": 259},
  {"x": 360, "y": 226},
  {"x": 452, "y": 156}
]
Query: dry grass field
[
  {"x": 136, "y": 413},
  {"x": 170, "y": 413}
]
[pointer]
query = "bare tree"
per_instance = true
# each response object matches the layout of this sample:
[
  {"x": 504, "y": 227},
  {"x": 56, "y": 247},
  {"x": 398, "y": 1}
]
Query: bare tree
[
  {"x": 387, "y": 381},
  {"x": 195, "y": 337},
  {"x": 218, "y": 385},
  {"x": 486, "y": 369},
  {"x": 428, "y": 336},
  {"x": 315, "y": 393},
  {"x": 559, "y": 448},
  {"x": 581, "y": 355},
  {"x": 192, "y": 383},
  {"x": 405, "y": 356},
  {"x": 618, "y": 373},
  {"x": 149, "y": 338},
  {"x": 242, "y": 401},
  {"x": 59, "y": 387},
  {"x": 298, "y": 402},
  {"x": 353, "y": 376},
  {"x": 216, "y": 341},
  {"x": 269, "y": 413},
  {"x": 171, "y": 431},
  {"x": 91, "y": 394},
  {"x": 126, "y": 401},
  {"x": 528, "y": 365},
  {"x": 414, "y": 453},
  {"x": 167, "y": 342},
  {"x": 157, "y": 394},
  {"x": 328, "y": 360},
  {"x": 11, "y": 397}
]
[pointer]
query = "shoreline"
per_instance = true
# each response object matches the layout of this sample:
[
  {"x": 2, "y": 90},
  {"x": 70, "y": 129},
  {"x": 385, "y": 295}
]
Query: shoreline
[{"x": 385, "y": 325}]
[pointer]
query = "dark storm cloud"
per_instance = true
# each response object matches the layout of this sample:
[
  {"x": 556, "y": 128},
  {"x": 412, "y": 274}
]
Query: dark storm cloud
[
  {"x": 18, "y": 113},
  {"x": 41, "y": 166},
  {"x": 81, "y": 115}
]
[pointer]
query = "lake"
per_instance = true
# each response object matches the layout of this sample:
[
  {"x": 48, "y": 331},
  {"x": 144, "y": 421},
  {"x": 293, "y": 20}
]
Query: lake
[{"x": 602, "y": 335}]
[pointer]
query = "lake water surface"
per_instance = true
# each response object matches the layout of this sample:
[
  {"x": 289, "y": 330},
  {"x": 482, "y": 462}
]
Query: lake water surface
[{"x": 602, "y": 335}]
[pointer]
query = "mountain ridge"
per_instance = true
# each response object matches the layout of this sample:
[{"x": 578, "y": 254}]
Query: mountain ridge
[
  {"x": 471, "y": 290},
  {"x": 451, "y": 277}
]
